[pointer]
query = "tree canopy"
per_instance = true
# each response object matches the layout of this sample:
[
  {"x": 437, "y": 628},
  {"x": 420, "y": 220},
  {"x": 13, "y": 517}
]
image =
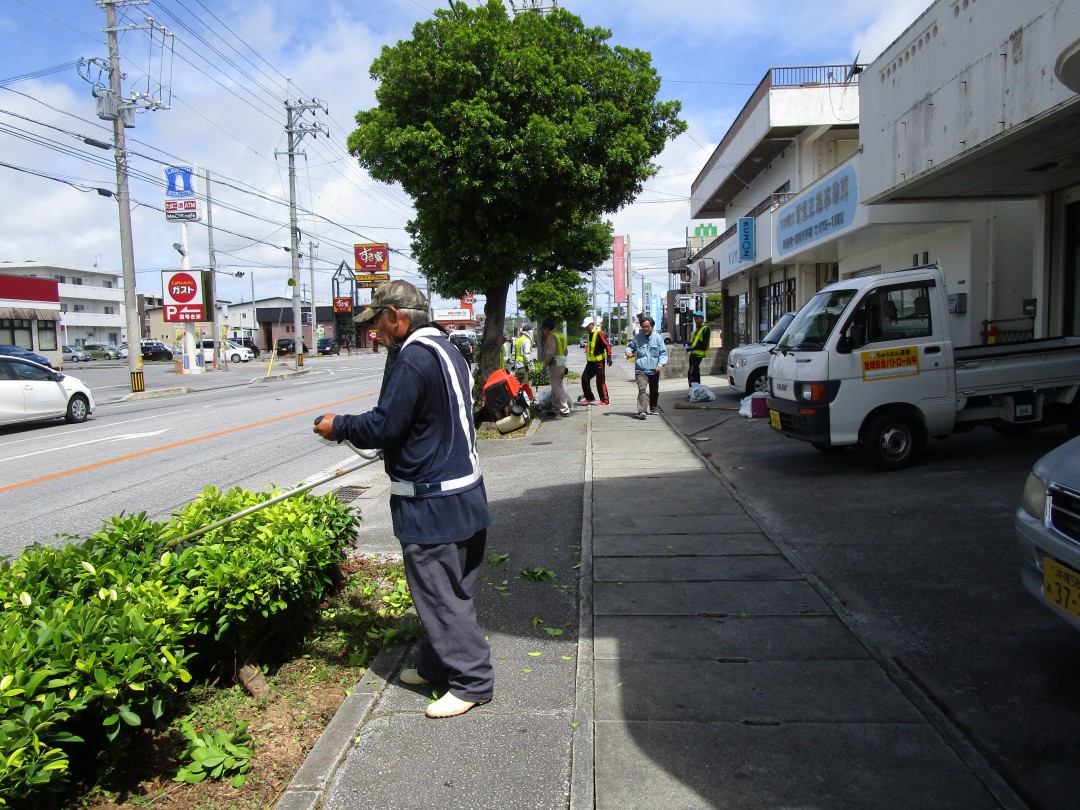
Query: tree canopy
[{"x": 514, "y": 136}]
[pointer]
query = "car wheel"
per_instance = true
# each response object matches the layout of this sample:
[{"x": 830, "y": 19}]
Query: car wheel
[
  {"x": 889, "y": 441},
  {"x": 758, "y": 382},
  {"x": 235, "y": 358},
  {"x": 73, "y": 359},
  {"x": 78, "y": 409}
]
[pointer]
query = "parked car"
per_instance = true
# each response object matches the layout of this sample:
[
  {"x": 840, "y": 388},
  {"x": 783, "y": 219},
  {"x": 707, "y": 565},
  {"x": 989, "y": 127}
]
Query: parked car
[
  {"x": 249, "y": 343},
  {"x": 233, "y": 353},
  {"x": 74, "y": 354},
  {"x": 31, "y": 391},
  {"x": 155, "y": 350},
  {"x": 123, "y": 347},
  {"x": 103, "y": 351},
  {"x": 288, "y": 346},
  {"x": 237, "y": 353},
  {"x": 19, "y": 351},
  {"x": 466, "y": 344},
  {"x": 748, "y": 366},
  {"x": 666, "y": 338},
  {"x": 584, "y": 341},
  {"x": 1048, "y": 531},
  {"x": 327, "y": 346}
]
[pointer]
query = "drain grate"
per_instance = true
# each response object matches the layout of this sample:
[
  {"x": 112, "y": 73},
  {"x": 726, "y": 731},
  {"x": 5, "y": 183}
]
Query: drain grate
[{"x": 346, "y": 494}]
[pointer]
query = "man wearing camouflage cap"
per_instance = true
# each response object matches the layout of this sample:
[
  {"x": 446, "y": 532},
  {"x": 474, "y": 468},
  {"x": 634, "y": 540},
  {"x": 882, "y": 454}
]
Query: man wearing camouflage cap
[{"x": 423, "y": 424}]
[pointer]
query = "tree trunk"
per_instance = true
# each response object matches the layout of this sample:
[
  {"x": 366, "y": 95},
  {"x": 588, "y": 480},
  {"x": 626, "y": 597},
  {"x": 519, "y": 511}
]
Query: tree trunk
[{"x": 494, "y": 325}]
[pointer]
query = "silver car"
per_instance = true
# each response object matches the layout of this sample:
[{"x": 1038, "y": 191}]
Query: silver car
[
  {"x": 74, "y": 354},
  {"x": 1048, "y": 531}
]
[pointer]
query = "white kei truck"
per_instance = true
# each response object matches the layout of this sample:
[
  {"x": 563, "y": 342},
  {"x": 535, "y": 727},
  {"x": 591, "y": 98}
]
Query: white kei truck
[{"x": 870, "y": 361}]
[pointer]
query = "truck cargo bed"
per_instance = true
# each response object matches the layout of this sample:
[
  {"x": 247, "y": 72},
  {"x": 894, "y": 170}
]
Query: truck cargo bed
[{"x": 1005, "y": 367}]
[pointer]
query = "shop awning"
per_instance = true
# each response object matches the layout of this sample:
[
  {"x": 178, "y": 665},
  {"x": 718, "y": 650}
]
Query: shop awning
[{"x": 28, "y": 314}]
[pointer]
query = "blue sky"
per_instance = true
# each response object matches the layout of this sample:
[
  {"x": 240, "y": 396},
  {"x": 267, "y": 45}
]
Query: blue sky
[{"x": 230, "y": 69}]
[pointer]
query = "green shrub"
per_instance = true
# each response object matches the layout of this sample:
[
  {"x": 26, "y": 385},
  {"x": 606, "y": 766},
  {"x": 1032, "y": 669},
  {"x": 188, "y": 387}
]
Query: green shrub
[{"x": 103, "y": 633}]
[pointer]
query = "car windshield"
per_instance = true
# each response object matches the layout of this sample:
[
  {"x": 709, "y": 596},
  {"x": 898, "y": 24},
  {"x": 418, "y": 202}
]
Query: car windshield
[
  {"x": 778, "y": 330},
  {"x": 814, "y": 323}
]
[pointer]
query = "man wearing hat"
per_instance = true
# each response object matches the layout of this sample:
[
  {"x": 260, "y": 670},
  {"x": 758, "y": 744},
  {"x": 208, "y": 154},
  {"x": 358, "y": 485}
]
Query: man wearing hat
[
  {"x": 423, "y": 424},
  {"x": 698, "y": 348},
  {"x": 554, "y": 347},
  {"x": 597, "y": 350}
]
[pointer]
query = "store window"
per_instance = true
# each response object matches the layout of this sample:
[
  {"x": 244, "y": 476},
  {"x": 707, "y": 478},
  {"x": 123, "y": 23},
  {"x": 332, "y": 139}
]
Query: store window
[
  {"x": 781, "y": 299},
  {"x": 742, "y": 318},
  {"x": 46, "y": 336},
  {"x": 16, "y": 332}
]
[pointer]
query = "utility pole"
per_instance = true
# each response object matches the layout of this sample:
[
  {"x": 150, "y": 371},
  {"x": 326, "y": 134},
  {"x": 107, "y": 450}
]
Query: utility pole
[
  {"x": 113, "y": 106},
  {"x": 213, "y": 270},
  {"x": 296, "y": 130},
  {"x": 311, "y": 248}
]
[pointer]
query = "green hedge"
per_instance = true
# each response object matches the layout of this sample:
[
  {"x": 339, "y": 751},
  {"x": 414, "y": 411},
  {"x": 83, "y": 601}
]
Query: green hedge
[{"x": 103, "y": 633}]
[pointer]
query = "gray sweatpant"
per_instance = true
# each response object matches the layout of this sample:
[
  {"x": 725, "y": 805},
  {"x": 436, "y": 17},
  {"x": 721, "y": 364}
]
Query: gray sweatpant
[{"x": 442, "y": 580}]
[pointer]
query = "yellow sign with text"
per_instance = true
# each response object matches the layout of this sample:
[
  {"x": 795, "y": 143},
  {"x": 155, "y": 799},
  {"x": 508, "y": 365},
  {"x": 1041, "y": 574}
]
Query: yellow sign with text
[{"x": 887, "y": 364}]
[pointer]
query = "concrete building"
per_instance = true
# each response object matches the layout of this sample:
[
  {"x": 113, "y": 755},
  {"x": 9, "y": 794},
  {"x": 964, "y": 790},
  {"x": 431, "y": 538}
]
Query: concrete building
[
  {"x": 956, "y": 145},
  {"x": 91, "y": 301},
  {"x": 30, "y": 315}
]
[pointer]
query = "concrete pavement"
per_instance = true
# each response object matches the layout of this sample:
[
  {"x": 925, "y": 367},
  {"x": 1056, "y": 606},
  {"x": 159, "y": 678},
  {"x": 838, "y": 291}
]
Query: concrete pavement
[{"x": 697, "y": 663}]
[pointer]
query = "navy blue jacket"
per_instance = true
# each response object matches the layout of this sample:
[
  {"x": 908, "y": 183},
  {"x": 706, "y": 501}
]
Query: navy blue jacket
[{"x": 423, "y": 424}]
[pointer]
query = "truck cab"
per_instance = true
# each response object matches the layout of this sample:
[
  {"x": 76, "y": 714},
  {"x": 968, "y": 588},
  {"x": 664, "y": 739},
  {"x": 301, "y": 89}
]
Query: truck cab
[{"x": 868, "y": 361}]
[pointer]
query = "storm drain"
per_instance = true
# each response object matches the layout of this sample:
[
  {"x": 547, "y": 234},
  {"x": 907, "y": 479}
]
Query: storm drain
[{"x": 346, "y": 494}]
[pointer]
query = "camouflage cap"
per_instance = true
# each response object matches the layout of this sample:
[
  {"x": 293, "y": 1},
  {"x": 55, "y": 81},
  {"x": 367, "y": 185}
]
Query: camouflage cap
[{"x": 397, "y": 294}]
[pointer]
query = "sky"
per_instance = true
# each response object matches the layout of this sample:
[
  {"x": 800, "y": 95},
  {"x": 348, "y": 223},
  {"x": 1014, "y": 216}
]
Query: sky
[{"x": 223, "y": 76}]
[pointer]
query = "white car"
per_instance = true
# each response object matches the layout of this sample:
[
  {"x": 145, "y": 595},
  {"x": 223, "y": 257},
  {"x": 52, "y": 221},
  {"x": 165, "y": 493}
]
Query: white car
[
  {"x": 748, "y": 366},
  {"x": 237, "y": 353},
  {"x": 31, "y": 392}
]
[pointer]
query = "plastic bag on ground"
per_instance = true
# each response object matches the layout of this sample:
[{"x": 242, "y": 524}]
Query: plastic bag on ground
[{"x": 700, "y": 393}]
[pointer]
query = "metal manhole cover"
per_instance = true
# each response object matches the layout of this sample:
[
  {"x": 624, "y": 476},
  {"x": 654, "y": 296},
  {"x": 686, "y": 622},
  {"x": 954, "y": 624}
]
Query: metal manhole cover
[{"x": 346, "y": 494}]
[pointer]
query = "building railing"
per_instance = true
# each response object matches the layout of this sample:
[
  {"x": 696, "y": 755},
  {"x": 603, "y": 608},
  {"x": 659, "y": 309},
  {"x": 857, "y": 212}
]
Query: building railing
[{"x": 810, "y": 76}]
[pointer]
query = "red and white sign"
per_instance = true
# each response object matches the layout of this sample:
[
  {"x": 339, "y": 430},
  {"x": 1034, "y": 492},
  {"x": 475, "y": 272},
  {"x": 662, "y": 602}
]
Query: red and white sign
[
  {"x": 183, "y": 293},
  {"x": 372, "y": 334},
  {"x": 343, "y": 304},
  {"x": 371, "y": 258},
  {"x": 181, "y": 210},
  {"x": 193, "y": 313}
]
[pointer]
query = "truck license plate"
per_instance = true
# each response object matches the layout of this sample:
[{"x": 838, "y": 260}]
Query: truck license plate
[
  {"x": 774, "y": 418},
  {"x": 1061, "y": 586}
]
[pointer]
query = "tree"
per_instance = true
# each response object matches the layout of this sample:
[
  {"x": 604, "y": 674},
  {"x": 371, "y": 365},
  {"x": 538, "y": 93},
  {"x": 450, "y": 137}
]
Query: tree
[
  {"x": 559, "y": 295},
  {"x": 513, "y": 136}
]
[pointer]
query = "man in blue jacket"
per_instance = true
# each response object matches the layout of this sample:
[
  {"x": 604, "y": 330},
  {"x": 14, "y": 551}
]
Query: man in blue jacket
[
  {"x": 423, "y": 424},
  {"x": 651, "y": 357}
]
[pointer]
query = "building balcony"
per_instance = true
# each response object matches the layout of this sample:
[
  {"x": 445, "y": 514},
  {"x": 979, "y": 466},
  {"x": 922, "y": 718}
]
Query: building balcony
[{"x": 786, "y": 102}]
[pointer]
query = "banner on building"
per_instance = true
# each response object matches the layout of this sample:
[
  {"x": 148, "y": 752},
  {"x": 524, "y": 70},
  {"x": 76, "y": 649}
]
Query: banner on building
[
  {"x": 746, "y": 239},
  {"x": 618, "y": 258}
]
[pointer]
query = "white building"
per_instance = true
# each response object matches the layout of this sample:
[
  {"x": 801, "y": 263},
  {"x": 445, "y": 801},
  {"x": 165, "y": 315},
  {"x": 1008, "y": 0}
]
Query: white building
[
  {"x": 91, "y": 301},
  {"x": 966, "y": 155}
]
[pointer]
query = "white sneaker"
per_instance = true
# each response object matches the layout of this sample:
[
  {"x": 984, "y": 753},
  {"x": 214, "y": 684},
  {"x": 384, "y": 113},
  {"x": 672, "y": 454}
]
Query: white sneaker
[
  {"x": 412, "y": 678},
  {"x": 449, "y": 706},
  {"x": 641, "y": 415},
  {"x": 654, "y": 412}
]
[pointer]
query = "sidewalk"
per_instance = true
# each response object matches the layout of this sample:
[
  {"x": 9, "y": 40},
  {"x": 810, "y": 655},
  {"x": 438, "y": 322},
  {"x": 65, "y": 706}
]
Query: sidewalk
[{"x": 702, "y": 667}]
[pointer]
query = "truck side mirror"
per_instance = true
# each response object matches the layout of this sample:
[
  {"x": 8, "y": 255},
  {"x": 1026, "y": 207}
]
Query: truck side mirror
[
  {"x": 843, "y": 345},
  {"x": 857, "y": 334}
]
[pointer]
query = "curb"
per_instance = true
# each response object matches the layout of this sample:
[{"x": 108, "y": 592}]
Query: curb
[{"x": 314, "y": 777}]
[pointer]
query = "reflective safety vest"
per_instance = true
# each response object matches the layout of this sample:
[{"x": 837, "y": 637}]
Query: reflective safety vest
[
  {"x": 702, "y": 350},
  {"x": 520, "y": 351},
  {"x": 560, "y": 344},
  {"x": 590, "y": 349}
]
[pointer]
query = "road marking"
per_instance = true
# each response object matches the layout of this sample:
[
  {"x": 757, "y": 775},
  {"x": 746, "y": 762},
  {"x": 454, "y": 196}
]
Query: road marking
[
  {"x": 120, "y": 438},
  {"x": 321, "y": 409}
]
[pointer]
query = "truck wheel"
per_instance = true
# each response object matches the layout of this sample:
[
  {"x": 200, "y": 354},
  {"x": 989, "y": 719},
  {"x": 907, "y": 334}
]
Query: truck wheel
[
  {"x": 758, "y": 382},
  {"x": 889, "y": 441}
]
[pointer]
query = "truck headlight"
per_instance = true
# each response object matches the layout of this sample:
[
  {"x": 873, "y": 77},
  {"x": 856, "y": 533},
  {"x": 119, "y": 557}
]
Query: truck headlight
[
  {"x": 1033, "y": 500},
  {"x": 811, "y": 392}
]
